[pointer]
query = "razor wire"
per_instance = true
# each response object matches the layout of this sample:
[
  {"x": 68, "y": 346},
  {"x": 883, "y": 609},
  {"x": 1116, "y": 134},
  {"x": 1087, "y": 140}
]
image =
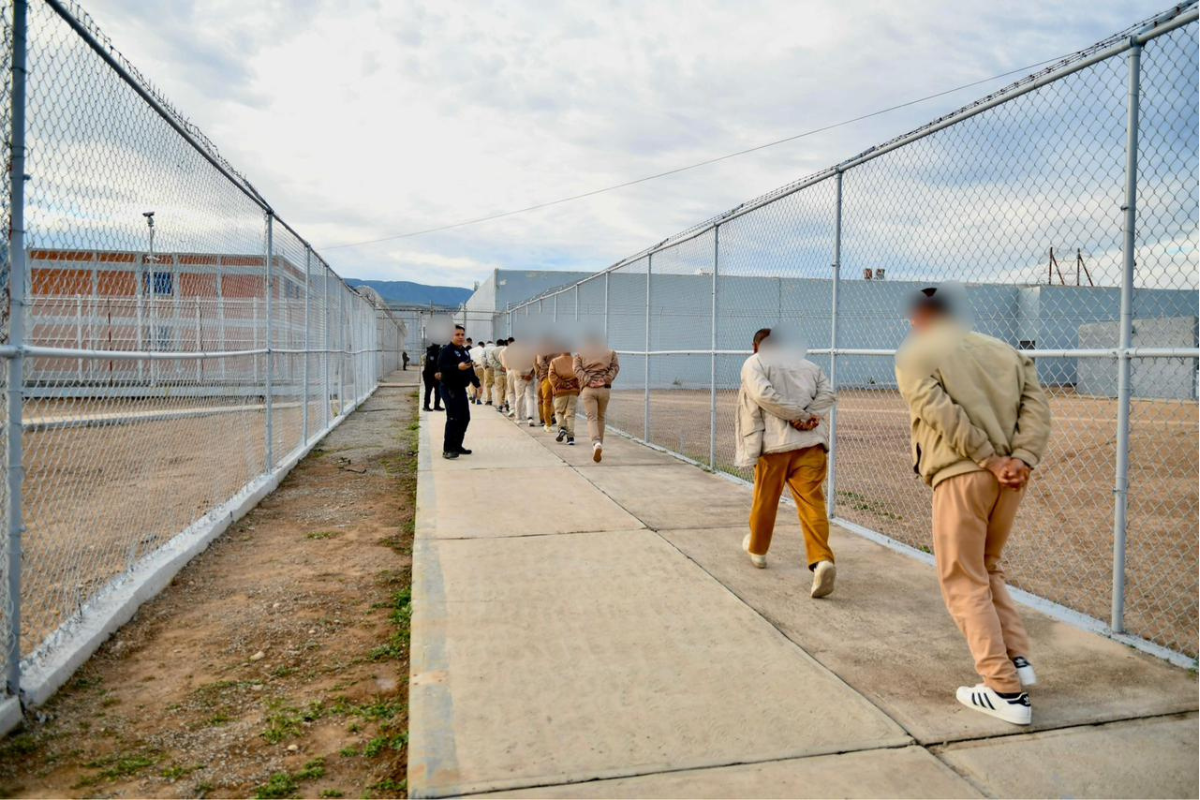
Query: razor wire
[
  {"x": 1066, "y": 205},
  {"x": 181, "y": 346}
]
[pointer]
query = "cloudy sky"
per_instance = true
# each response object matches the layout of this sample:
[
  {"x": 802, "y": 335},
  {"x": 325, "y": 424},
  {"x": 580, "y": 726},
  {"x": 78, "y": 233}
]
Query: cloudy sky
[{"x": 363, "y": 120}]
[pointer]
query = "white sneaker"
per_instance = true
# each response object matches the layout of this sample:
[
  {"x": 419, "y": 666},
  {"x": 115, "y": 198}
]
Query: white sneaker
[
  {"x": 532, "y": 424},
  {"x": 823, "y": 577},
  {"x": 1025, "y": 673},
  {"x": 597, "y": 452},
  {"x": 547, "y": 429},
  {"x": 758, "y": 561},
  {"x": 1018, "y": 710}
]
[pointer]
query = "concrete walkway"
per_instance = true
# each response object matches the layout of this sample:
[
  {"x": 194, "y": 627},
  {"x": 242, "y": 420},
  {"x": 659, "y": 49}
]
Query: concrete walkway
[{"x": 594, "y": 630}]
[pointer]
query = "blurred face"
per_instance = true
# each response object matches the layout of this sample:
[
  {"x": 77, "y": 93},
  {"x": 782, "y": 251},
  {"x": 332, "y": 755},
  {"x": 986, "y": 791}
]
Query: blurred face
[
  {"x": 922, "y": 318},
  {"x": 460, "y": 337}
]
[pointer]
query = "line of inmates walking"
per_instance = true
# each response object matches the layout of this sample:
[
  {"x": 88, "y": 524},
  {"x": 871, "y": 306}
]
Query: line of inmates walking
[
  {"x": 979, "y": 424},
  {"x": 544, "y": 386}
]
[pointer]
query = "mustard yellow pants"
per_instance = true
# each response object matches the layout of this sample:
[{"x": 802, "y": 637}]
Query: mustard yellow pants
[{"x": 802, "y": 471}]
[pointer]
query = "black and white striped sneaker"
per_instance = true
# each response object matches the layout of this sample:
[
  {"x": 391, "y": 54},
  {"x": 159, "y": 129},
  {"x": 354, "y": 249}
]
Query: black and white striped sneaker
[
  {"x": 1016, "y": 710},
  {"x": 1025, "y": 673}
]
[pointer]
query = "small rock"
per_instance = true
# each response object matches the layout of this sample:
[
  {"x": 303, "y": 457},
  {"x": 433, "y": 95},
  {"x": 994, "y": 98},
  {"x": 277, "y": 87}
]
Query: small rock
[
  {"x": 312, "y": 631},
  {"x": 275, "y": 605},
  {"x": 293, "y": 748},
  {"x": 259, "y": 656}
]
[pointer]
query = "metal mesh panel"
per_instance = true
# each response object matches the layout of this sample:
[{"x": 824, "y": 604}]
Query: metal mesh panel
[
  {"x": 161, "y": 348},
  {"x": 1020, "y": 198}
]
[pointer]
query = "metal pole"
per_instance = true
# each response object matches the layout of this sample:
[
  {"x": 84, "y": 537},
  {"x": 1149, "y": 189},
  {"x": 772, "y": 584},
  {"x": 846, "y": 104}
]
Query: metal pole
[
  {"x": 79, "y": 335},
  {"x": 307, "y": 343},
  {"x": 831, "y": 491},
  {"x": 270, "y": 359},
  {"x": 606, "y": 306},
  {"x": 199, "y": 344},
  {"x": 1121, "y": 486},
  {"x": 16, "y": 365},
  {"x": 646, "y": 365},
  {"x": 556, "y": 308},
  {"x": 577, "y": 302},
  {"x": 712, "y": 397},
  {"x": 325, "y": 347},
  {"x": 341, "y": 370}
]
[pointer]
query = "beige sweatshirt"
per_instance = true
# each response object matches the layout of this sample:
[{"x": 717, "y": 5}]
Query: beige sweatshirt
[
  {"x": 561, "y": 375},
  {"x": 969, "y": 397},
  {"x": 596, "y": 368}
]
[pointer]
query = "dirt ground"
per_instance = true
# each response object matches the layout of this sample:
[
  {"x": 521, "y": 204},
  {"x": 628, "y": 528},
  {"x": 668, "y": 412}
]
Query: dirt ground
[
  {"x": 275, "y": 664},
  {"x": 1063, "y": 546}
]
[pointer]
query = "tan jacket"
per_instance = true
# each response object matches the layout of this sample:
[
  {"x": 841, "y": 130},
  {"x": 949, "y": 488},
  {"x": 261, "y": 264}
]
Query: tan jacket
[
  {"x": 969, "y": 397},
  {"x": 778, "y": 387},
  {"x": 541, "y": 366},
  {"x": 561, "y": 375},
  {"x": 493, "y": 361},
  {"x": 596, "y": 367}
]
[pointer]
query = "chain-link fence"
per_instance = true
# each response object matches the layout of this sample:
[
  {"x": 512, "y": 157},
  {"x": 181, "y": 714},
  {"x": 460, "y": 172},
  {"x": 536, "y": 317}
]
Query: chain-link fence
[
  {"x": 171, "y": 347},
  {"x": 1067, "y": 204}
]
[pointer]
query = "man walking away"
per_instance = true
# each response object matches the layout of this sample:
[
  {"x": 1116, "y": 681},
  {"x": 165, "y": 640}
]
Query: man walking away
[
  {"x": 429, "y": 377},
  {"x": 544, "y": 391},
  {"x": 782, "y": 433},
  {"x": 477, "y": 365},
  {"x": 499, "y": 392},
  {"x": 518, "y": 360},
  {"x": 458, "y": 374},
  {"x": 404, "y": 358},
  {"x": 560, "y": 374},
  {"x": 596, "y": 367},
  {"x": 980, "y": 423}
]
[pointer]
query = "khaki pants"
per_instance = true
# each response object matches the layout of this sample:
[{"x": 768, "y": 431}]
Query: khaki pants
[
  {"x": 802, "y": 471},
  {"x": 489, "y": 378},
  {"x": 523, "y": 391},
  {"x": 510, "y": 390},
  {"x": 972, "y": 517},
  {"x": 564, "y": 409},
  {"x": 595, "y": 404},
  {"x": 547, "y": 403},
  {"x": 479, "y": 375}
]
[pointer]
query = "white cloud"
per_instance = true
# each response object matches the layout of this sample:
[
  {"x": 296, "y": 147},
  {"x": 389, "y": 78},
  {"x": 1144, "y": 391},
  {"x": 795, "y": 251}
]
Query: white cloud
[{"x": 359, "y": 120}]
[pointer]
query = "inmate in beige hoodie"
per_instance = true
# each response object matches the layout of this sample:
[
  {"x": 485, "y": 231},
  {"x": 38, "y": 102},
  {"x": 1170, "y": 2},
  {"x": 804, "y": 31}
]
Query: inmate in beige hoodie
[{"x": 970, "y": 397}]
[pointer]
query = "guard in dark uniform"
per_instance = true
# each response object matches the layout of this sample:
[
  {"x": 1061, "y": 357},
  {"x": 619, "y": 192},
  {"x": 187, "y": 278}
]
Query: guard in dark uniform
[
  {"x": 458, "y": 372},
  {"x": 429, "y": 370}
]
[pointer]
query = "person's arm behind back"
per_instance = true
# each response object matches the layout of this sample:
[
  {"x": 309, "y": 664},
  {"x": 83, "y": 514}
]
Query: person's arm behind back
[
  {"x": 759, "y": 390},
  {"x": 930, "y": 403},
  {"x": 1033, "y": 419},
  {"x": 614, "y": 367}
]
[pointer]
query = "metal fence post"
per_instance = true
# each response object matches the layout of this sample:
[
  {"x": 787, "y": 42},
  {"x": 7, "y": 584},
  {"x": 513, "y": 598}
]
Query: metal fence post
[
  {"x": 712, "y": 397},
  {"x": 577, "y": 302},
  {"x": 831, "y": 491},
  {"x": 304, "y": 372},
  {"x": 16, "y": 365},
  {"x": 555, "y": 318},
  {"x": 646, "y": 366},
  {"x": 325, "y": 346},
  {"x": 1121, "y": 485},
  {"x": 606, "y": 274},
  {"x": 270, "y": 358},
  {"x": 341, "y": 370}
]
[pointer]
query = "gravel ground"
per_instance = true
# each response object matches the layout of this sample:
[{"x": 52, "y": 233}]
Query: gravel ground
[{"x": 274, "y": 665}]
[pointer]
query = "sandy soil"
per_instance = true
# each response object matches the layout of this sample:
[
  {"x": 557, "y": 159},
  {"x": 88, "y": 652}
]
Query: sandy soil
[
  {"x": 1063, "y": 546},
  {"x": 274, "y": 665}
]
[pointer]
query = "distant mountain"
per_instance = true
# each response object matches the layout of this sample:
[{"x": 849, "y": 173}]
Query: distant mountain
[{"x": 416, "y": 293}]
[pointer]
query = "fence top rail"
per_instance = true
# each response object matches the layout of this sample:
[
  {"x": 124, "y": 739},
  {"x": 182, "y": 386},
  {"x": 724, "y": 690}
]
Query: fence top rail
[
  {"x": 1134, "y": 36},
  {"x": 83, "y": 25},
  {"x": 1109, "y": 352}
]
